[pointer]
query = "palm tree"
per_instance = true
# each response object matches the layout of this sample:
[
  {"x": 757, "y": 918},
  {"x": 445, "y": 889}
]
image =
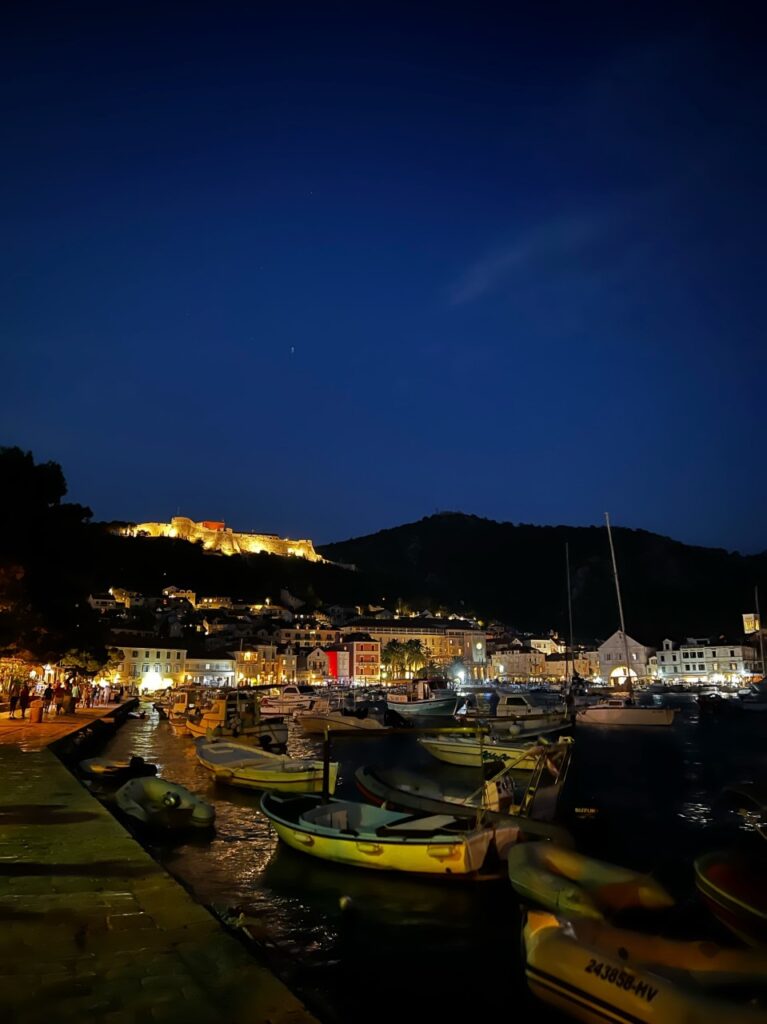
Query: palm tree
[
  {"x": 416, "y": 655},
  {"x": 393, "y": 658}
]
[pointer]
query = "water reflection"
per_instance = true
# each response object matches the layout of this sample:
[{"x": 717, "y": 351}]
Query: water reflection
[{"x": 337, "y": 935}]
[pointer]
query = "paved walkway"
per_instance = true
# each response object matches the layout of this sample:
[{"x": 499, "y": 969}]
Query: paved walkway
[
  {"x": 37, "y": 735},
  {"x": 91, "y": 928}
]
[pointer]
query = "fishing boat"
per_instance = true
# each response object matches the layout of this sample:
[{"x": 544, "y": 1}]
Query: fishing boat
[
  {"x": 421, "y": 700},
  {"x": 313, "y": 722},
  {"x": 361, "y": 835},
  {"x": 470, "y": 752},
  {"x": 598, "y": 973},
  {"x": 237, "y": 764},
  {"x": 732, "y": 887},
  {"x": 236, "y": 716},
  {"x": 499, "y": 799},
  {"x": 164, "y": 805},
  {"x": 618, "y": 711},
  {"x": 291, "y": 698}
]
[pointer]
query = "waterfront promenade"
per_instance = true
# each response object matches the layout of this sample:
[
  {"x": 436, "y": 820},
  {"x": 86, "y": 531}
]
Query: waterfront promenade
[{"x": 91, "y": 927}]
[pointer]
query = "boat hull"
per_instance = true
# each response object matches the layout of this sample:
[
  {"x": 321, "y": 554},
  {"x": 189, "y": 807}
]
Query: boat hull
[
  {"x": 733, "y": 890},
  {"x": 626, "y": 716},
  {"x": 420, "y": 708},
  {"x": 472, "y": 755},
  {"x": 597, "y": 985},
  {"x": 313, "y": 724},
  {"x": 446, "y": 855},
  {"x": 276, "y": 733}
]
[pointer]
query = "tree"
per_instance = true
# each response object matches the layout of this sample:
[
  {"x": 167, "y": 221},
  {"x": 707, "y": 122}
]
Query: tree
[
  {"x": 89, "y": 662},
  {"x": 393, "y": 658},
  {"x": 415, "y": 655}
]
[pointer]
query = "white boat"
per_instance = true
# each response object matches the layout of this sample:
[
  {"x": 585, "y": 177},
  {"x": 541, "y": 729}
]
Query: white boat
[
  {"x": 237, "y": 764},
  {"x": 422, "y": 701},
  {"x": 622, "y": 712},
  {"x": 311, "y": 722},
  {"x": 291, "y": 698},
  {"x": 467, "y": 751},
  {"x": 236, "y": 716}
]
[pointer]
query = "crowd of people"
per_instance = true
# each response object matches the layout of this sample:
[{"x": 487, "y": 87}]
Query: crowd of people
[{"x": 61, "y": 699}]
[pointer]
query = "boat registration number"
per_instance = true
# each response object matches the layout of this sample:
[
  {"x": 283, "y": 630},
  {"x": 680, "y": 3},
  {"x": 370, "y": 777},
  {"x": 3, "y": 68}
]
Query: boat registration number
[{"x": 623, "y": 979}]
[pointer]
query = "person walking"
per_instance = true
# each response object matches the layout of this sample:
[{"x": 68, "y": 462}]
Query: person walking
[
  {"x": 24, "y": 698},
  {"x": 47, "y": 698},
  {"x": 13, "y": 696},
  {"x": 75, "y": 695}
]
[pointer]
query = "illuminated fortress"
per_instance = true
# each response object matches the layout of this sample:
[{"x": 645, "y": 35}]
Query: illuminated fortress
[{"x": 221, "y": 538}]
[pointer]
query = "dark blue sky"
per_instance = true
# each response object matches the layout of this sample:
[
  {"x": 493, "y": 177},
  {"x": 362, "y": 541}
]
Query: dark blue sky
[{"x": 321, "y": 269}]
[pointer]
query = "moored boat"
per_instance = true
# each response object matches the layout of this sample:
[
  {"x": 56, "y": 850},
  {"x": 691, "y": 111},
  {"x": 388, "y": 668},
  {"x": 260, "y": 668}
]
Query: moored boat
[
  {"x": 313, "y": 722},
  {"x": 289, "y": 699},
  {"x": 622, "y": 712},
  {"x": 162, "y": 804},
  {"x": 470, "y": 752},
  {"x": 569, "y": 883},
  {"x": 106, "y": 769},
  {"x": 422, "y": 700},
  {"x": 732, "y": 886},
  {"x": 361, "y": 835},
  {"x": 236, "y": 764},
  {"x": 236, "y": 716},
  {"x": 596, "y": 973}
]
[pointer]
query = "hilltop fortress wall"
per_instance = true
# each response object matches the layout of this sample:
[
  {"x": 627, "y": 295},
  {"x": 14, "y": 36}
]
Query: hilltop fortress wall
[{"x": 216, "y": 536}]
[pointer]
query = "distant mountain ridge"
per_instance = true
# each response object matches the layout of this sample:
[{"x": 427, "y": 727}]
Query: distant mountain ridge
[{"x": 516, "y": 573}]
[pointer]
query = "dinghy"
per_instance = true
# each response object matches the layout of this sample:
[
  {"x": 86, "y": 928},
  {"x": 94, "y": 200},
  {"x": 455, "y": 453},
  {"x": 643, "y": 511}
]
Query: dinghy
[
  {"x": 468, "y": 751},
  {"x": 106, "y": 769},
  {"x": 237, "y": 764},
  {"x": 162, "y": 804},
  {"x": 597, "y": 973}
]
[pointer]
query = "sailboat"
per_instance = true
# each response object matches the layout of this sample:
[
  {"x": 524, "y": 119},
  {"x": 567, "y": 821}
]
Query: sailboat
[{"x": 623, "y": 711}]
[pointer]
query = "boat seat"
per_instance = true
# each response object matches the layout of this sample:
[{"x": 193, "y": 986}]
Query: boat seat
[{"x": 417, "y": 826}]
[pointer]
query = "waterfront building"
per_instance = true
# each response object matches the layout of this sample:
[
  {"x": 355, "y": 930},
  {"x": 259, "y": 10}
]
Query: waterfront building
[
  {"x": 612, "y": 659},
  {"x": 154, "y": 662},
  {"x": 444, "y": 640},
  {"x": 364, "y": 657},
  {"x": 211, "y": 668},
  {"x": 560, "y": 667},
  {"x": 517, "y": 664},
  {"x": 265, "y": 664},
  {"x": 705, "y": 661}
]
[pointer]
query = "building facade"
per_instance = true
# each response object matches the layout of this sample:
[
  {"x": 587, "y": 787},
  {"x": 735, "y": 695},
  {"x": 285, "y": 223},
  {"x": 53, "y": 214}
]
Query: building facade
[
  {"x": 265, "y": 664},
  {"x": 612, "y": 660},
  {"x": 364, "y": 657},
  {"x": 154, "y": 662},
  {"x": 308, "y": 635},
  {"x": 701, "y": 661},
  {"x": 444, "y": 640},
  {"x": 518, "y": 664},
  {"x": 213, "y": 669}
]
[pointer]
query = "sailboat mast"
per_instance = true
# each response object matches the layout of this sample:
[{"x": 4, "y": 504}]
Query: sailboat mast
[
  {"x": 761, "y": 634},
  {"x": 569, "y": 608},
  {"x": 620, "y": 605}
]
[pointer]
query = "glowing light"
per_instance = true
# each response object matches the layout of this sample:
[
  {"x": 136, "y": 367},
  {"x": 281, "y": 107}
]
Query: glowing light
[{"x": 152, "y": 681}]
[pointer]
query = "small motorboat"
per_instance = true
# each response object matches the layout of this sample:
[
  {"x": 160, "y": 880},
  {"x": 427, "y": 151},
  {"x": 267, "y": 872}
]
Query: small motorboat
[
  {"x": 312, "y": 722},
  {"x": 236, "y": 716},
  {"x": 108, "y": 770},
  {"x": 162, "y": 804},
  {"x": 471, "y": 752},
  {"x": 569, "y": 883},
  {"x": 733, "y": 888},
  {"x": 361, "y": 835},
  {"x": 598, "y": 973},
  {"x": 237, "y": 764},
  {"x": 422, "y": 700},
  {"x": 290, "y": 698},
  {"x": 622, "y": 712}
]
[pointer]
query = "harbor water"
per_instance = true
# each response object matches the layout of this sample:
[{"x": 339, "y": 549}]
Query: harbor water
[{"x": 359, "y": 945}]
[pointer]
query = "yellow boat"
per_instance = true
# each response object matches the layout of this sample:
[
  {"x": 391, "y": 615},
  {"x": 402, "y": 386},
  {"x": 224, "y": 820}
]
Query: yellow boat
[
  {"x": 597, "y": 973},
  {"x": 361, "y": 835},
  {"x": 237, "y": 764}
]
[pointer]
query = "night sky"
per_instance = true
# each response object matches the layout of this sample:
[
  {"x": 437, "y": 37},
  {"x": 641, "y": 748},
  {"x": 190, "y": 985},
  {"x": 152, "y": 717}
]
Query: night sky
[{"x": 321, "y": 269}]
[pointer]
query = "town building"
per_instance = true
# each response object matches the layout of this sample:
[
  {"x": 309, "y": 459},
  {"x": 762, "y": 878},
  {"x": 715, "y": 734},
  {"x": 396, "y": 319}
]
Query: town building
[
  {"x": 551, "y": 644},
  {"x": 308, "y": 634},
  {"x": 612, "y": 660},
  {"x": 444, "y": 640},
  {"x": 218, "y": 537},
  {"x": 560, "y": 667},
  {"x": 210, "y": 668},
  {"x": 178, "y": 594},
  {"x": 364, "y": 657},
  {"x": 265, "y": 664},
  {"x": 517, "y": 664},
  {"x": 153, "y": 662},
  {"x": 102, "y": 603},
  {"x": 706, "y": 661}
]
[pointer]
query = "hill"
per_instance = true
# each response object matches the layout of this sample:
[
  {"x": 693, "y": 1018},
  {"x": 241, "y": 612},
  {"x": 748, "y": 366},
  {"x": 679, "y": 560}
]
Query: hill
[{"x": 516, "y": 573}]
